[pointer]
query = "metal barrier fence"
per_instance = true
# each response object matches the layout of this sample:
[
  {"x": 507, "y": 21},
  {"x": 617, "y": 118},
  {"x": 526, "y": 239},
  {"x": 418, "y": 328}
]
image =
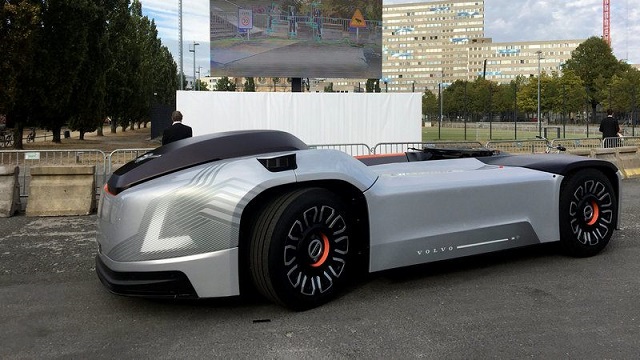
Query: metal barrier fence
[
  {"x": 392, "y": 148},
  {"x": 25, "y": 159},
  {"x": 105, "y": 164},
  {"x": 519, "y": 146},
  {"x": 579, "y": 143},
  {"x": 621, "y": 141},
  {"x": 351, "y": 149}
]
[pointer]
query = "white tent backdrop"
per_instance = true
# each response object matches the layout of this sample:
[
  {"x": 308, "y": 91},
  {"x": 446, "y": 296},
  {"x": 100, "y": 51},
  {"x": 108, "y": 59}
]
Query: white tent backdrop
[{"x": 315, "y": 118}]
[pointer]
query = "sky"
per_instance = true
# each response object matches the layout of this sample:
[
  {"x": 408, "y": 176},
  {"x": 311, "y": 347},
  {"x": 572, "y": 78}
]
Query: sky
[{"x": 505, "y": 21}]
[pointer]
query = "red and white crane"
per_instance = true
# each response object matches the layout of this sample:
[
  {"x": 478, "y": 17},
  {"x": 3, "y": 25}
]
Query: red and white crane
[{"x": 606, "y": 21}]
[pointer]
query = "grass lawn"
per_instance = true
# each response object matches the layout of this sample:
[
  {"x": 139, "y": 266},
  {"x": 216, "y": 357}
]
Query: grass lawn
[{"x": 497, "y": 132}]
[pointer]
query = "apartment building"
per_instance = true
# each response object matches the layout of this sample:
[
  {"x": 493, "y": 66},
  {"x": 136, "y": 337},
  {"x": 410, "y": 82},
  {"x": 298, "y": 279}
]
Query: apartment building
[{"x": 430, "y": 43}]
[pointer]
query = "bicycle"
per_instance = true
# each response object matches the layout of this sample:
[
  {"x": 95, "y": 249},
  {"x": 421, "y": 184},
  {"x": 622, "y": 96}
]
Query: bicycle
[
  {"x": 6, "y": 139},
  {"x": 549, "y": 148},
  {"x": 32, "y": 135}
]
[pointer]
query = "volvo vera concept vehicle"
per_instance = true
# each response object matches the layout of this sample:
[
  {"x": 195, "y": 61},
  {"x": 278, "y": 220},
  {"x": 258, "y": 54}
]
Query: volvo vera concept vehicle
[{"x": 213, "y": 215}]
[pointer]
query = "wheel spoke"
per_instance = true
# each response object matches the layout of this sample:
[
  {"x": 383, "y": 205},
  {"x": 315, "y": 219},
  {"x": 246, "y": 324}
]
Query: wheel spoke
[
  {"x": 326, "y": 214},
  {"x": 294, "y": 276},
  {"x": 313, "y": 213},
  {"x": 296, "y": 231},
  {"x": 342, "y": 227}
]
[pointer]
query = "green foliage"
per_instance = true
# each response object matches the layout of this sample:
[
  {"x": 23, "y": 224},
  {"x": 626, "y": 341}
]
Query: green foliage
[
  {"x": 80, "y": 61},
  {"x": 224, "y": 84},
  {"x": 249, "y": 85},
  {"x": 201, "y": 85},
  {"x": 18, "y": 26},
  {"x": 371, "y": 10},
  {"x": 430, "y": 107},
  {"x": 373, "y": 85},
  {"x": 593, "y": 61},
  {"x": 622, "y": 93}
]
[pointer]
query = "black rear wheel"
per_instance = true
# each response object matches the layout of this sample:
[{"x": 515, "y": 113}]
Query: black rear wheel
[
  {"x": 299, "y": 253},
  {"x": 588, "y": 213}
]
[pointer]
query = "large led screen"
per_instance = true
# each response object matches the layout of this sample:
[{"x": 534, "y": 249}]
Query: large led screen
[{"x": 296, "y": 39}]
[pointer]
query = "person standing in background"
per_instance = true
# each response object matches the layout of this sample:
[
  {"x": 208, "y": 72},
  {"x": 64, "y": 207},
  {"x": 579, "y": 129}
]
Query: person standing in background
[
  {"x": 609, "y": 128},
  {"x": 177, "y": 130}
]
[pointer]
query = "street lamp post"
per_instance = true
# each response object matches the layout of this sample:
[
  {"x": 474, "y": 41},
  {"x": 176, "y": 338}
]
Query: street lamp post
[
  {"x": 440, "y": 94},
  {"x": 539, "y": 120},
  {"x": 194, "y": 64},
  {"x": 564, "y": 111},
  {"x": 515, "y": 109},
  {"x": 199, "y": 75}
]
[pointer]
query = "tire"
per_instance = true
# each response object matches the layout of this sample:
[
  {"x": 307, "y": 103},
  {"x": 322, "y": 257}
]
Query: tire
[
  {"x": 299, "y": 252},
  {"x": 588, "y": 213}
]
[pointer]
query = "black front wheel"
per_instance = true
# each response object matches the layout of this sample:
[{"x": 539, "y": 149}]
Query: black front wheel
[
  {"x": 299, "y": 252},
  {"x": 588, "y": 213}
]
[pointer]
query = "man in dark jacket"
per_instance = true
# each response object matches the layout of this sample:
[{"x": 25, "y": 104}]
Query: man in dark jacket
[
  {"x": 609, "y": 128},
  {"x": 177, "y": 130}
]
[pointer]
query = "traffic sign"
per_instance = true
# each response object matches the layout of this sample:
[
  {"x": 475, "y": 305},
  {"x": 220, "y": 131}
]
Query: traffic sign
[
  {"x": 357, "y": 20},
  {"x": 245, "y": 19}
]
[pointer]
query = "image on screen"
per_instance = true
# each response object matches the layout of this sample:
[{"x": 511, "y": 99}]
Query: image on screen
[{"x": 296, "y": 39}]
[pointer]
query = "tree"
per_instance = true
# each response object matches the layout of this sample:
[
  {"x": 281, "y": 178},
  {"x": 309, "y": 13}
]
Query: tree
[
  {"x": 141, "y": 71},
  {"x": 575, "y": 94},
  {"x": 201, "y": 85},
  {"x": 371, "y": 10},
  {"x": 455, "y": 99},
  {"x": 88, "y": 109},
  {"x": 18, "y": 28},
  {"x": 373, "y": 85},
  {"x": 249, "y": 85},
  {"x": 57, "y": 55},
  {"x": 624, "y": 94},
  {"x": 62, "y": 51},
  {"x": 593, "y": 61},
  {"x": 481, "y": 97},
  {"x": 224, "y": 84},
  {"x": 430, "y": 105},
  {"x": 503, "y": 101},
  {"x": 119, "y": 69},
  {"x": 528, "y": 95},
  {"x": 571, "y": 94},
  {"x": 19, "y": 25}
]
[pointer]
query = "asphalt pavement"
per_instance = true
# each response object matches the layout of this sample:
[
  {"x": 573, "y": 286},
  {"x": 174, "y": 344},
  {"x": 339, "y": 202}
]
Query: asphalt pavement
[{"x": 527, "y": 303}]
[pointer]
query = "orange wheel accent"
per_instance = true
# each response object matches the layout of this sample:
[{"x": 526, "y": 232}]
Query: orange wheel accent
[
  {"x": 596, "y": 213},
  {"x": 325, "y": 252}
]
